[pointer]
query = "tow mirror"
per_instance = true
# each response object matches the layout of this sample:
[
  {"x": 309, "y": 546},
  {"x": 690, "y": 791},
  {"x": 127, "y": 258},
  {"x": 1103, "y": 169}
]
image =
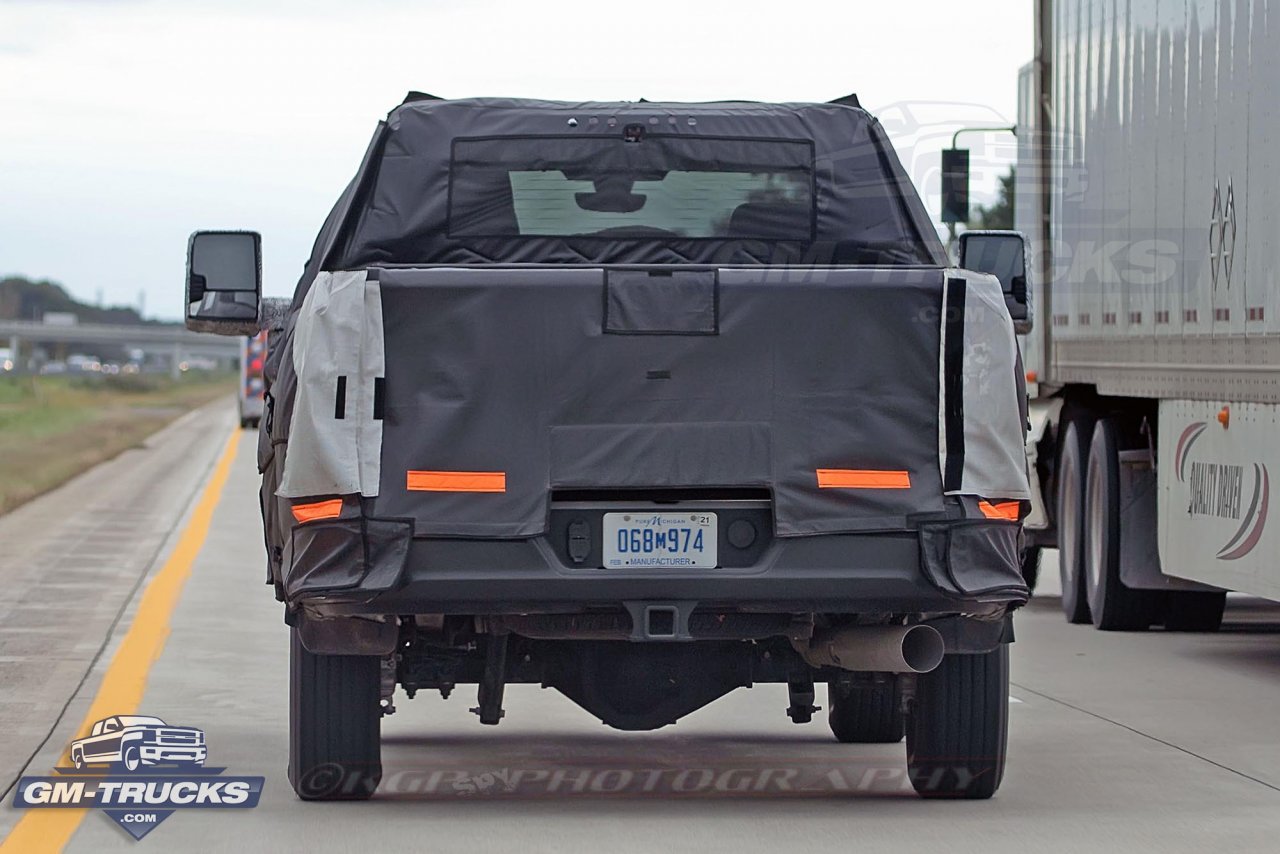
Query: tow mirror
[
  {"x": 224, "y": 282},
  {"x": 1003, "y": 254}
]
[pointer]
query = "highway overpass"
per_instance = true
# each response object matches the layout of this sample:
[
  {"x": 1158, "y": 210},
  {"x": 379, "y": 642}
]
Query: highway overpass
[{"x": 173, "y": 341}]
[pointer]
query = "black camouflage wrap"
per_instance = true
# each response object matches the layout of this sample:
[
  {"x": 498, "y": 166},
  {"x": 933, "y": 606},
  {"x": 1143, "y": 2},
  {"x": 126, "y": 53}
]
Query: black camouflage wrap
[
  {"x": 634, "y": 363},
  {"x": 518, "y": 371}
]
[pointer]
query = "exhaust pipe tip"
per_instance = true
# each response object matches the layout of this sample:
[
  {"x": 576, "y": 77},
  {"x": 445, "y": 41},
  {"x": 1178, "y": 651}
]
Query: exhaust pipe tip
[
  {"x": 922, "y": 648},
  {"x": 891, "y": 649}
]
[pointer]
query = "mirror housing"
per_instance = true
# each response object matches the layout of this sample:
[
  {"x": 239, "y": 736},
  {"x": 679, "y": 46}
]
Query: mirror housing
[
  {"x": 224, "y": 282},
  {"x": 1003, "y": 254}
]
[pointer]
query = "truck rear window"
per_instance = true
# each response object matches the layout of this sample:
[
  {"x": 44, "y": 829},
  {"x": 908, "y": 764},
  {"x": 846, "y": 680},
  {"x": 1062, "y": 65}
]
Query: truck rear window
[{"x": 643, "y": 187}]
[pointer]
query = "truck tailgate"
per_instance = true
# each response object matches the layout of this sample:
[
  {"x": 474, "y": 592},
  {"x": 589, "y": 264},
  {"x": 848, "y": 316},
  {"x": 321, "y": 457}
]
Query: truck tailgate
[{"x": 503, "y": 385}]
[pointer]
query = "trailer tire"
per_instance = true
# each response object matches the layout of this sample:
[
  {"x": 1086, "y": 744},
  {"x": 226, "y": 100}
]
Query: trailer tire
[
  {"x": 958, "y": 726},
  {"x": 1113, "y": 606},
  {"x": 335, "y": 720},
  {"x": 865, "y": 712},
  {"x": 1071, "y": 471},
  {"x": 1194, "y": 612}
]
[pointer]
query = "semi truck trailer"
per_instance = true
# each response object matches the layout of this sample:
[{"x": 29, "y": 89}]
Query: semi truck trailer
[{"x": 1149, "y": 189}]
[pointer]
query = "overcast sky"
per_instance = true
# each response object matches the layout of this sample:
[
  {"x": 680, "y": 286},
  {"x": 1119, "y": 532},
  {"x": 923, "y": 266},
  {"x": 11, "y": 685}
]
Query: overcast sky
[{"x": 127, "y": 124}]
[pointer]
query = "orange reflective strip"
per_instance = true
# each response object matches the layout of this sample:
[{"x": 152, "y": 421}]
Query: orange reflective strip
[
  {"x": 456, "y": 481},
  {"x": 1005, "y": 510},
  {"x": 863, "y": 479},
  {"x": 320, "y": 510}
]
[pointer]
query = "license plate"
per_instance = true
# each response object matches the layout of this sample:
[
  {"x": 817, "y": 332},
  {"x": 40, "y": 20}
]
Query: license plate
[{"x": 659, "y": 540}]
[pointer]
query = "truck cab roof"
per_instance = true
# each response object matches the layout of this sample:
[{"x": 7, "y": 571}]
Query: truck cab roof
[{"x": 502, "y": 180}]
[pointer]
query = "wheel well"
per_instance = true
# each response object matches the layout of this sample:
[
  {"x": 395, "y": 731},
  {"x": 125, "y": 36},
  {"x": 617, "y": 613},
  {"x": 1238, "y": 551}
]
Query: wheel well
[{"x": 1136, "y": 417}]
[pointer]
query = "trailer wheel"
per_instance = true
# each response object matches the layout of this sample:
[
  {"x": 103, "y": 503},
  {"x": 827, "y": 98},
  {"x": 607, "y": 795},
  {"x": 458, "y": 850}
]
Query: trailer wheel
[
  {"x": 1114, "y": 606},
  {"x": 1194, "y": 612},
  {"x": 335, "y": 721},
  {"x": 865, "y": 712},
  {"x": 957, "y": 729},
  {"x": 1071, "y": 471}
]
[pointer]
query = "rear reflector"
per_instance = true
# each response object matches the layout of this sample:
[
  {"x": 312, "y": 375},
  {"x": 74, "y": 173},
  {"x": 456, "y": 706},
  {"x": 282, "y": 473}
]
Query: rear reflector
[
  {"x": 1004, "y": 510},
  {"x": 320, "y": 510},
  {"x": 456, "y": 481},
  {"x": 863, "y": 479}
]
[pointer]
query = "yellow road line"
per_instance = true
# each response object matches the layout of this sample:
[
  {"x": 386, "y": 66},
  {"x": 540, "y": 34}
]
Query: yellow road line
[{"x": 42, "y": 830}]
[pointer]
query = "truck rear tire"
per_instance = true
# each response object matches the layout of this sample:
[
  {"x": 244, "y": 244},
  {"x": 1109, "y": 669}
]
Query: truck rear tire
[
  {"x": 1194, "y": 612},
  {"x": 865, "y": 712},
  {"x": 1114, "y": 606},
  {"x": 1071, "y": 471},
  {"x": 957, "y": 729},
  {"x": 335, "y": 720}
]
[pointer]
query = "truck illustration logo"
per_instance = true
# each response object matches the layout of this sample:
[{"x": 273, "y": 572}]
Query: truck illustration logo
[
  {"x": 137, "y": 740},
  {"x": 138, "y": 770}
]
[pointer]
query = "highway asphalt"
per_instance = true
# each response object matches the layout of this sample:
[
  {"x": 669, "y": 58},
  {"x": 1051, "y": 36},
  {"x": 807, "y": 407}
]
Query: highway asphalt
[{"x": 1133, "y": 742}]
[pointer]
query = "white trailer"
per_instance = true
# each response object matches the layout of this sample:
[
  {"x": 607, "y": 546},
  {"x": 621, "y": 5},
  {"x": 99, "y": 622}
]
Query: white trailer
[{"x": 1149, "y": 188}]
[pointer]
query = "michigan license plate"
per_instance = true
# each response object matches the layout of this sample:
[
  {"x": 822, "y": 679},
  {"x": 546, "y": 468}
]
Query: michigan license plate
[{"x": 659, "y": 540}]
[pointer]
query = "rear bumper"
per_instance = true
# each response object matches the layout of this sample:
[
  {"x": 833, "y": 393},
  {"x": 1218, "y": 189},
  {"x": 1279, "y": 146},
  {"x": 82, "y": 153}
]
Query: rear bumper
[
  {"x": 368, "y": 567},
  {"x": 251, "y": 407}
]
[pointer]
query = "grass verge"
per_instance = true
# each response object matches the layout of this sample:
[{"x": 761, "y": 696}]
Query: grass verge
[{"x": 53, "y": 428}]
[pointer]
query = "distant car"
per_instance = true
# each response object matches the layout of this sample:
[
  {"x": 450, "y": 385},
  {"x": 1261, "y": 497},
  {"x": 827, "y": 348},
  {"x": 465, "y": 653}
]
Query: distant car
[
  {"x": 54, "y": 367},
  {"x": 253, "y": 352},
  {"x": 137, "y": 740}
]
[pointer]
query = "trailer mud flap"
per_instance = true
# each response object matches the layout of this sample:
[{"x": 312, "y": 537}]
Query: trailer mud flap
[
  {"x": 973, "y": 557},
  {"x": 346, "y": 560}
]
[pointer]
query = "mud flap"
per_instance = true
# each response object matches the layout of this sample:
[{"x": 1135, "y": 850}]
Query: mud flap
[{"x": 348, "y": 636}]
